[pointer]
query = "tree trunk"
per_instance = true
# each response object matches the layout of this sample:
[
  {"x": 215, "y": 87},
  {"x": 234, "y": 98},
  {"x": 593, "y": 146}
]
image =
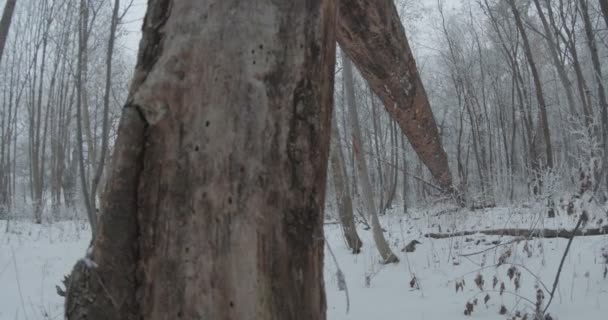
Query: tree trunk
[
  {"x": 537, "y": 84},
  {"x": 559, "y": 66},
  {"x": 405, "y": 184},
  {"x": 371, "y": 34},
  {"x": 604, "y": 7},
  {"x": 80, "y": 105},
  {"x": 214, "y": 205},
  {"x": 106, "y": 108},
  {"x": 379, "y": 156},
  {"x": 393, "y": 172},
  {"x": 5, "y": 23},
  {"x": 597, "y": 68},
  {"x": 366, "y": 186},
  {"x": 343, "y": 198}
]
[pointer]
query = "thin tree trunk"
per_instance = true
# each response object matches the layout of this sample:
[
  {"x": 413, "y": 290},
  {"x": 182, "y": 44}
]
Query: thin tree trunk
[
  {"x": 341, "y": 186},
  {"x": 82, "y": 47},
  {"x": 106, "y": 107},
  {"x": 393, "y": 173},
  {"x": 366, "y": 187},
  {"x": 570, "y": 44},
  {"x": 405, "y": 181},
  {"x": 604, "y": 7},
  {"x": 559, "y": 66},
  {"x": 597, "y": 68},
  {"x": 214, "y": 205},
  {"x": 379, "y": 155},
  {"x": 5, "y": 23},
  {"x": 537, "y": 84}
]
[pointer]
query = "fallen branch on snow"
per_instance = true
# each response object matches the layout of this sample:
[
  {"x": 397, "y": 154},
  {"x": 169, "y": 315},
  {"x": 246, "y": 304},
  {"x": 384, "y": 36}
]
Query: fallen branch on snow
[{"x": 534, "y": 233}]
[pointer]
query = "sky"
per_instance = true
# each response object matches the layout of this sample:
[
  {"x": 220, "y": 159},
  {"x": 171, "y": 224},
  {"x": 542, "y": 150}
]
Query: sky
[{"x": 132, "y": 25}]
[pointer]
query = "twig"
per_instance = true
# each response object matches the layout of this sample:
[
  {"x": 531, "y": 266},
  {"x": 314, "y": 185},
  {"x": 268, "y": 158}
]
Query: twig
[
  {"x": 504, "y": 291},
  {"x": 340, "y": 273},
  {"x": 561, "y": 264},
  {"x": 491, "y": 248},
  {"x": 18, "y": 282},
  {"x": 363, "y": 220}
]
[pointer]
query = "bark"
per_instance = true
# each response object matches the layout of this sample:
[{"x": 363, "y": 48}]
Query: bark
[
  {"x": 538, "y": 233},
  {"x": 5, "y": 23},
  {"x": 341, "y": 186},
  {"x": 537, "y": 84},
  {"x": 214, "y": 205},
  {"x": 362, "y": 170},
  {"x": 373, "y": 37}
]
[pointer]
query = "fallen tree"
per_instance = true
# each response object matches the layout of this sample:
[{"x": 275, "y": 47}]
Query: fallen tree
[{"x": 534, "y": 233}]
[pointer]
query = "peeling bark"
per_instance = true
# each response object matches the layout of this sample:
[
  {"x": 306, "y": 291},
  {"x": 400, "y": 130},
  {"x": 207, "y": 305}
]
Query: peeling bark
[
  {"x": 371, "y": 34},
  {"x": 214, "y": 203}
]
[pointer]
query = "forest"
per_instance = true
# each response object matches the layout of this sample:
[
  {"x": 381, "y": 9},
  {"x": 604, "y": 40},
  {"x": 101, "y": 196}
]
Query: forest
[{"x": 309, "y": 159}]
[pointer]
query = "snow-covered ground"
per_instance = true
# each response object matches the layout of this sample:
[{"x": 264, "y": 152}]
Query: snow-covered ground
[{"x": 33, "y": 259}]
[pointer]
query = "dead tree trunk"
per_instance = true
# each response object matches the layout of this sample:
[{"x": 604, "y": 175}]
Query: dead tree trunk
[
  {"x": 366, "y": 186},
  {"x": 5, "y": 23},
  {"x": 214, "y": 205},
  {"x": 528, "y": 233},
  {"x": 373, "y": 37}
]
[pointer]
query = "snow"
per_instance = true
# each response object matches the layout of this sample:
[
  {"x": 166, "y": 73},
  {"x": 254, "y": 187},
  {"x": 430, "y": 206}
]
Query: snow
[
  {"x": 437, "y": 265},
  {"x": 34, "y": 259}
]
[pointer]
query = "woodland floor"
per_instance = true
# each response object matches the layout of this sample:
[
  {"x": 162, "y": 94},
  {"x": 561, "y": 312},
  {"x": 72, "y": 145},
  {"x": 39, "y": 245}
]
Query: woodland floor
[{"x": 34, "y": 258}]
